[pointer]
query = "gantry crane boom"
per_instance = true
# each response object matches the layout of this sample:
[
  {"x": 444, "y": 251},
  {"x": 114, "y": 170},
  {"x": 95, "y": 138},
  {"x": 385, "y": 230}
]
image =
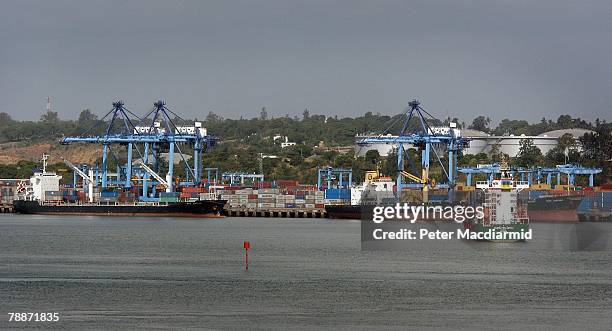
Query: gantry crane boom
[{"x": 153, "y": 173}]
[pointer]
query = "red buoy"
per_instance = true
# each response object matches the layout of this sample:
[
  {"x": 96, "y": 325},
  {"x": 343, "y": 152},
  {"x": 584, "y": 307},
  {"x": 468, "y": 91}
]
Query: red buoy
[{"x": 246, "y": 245}]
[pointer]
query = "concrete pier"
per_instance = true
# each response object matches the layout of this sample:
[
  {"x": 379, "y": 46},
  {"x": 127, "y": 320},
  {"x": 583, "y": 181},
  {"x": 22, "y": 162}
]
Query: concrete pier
[
  {"x": 6, "y": 208},
  {"x": 274, "y": 212}
]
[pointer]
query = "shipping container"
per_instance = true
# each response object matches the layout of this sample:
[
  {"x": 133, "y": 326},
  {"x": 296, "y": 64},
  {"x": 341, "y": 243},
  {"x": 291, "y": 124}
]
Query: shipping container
[
  {"x": 190, "y": 189},
  {"x": 333, "y": 193},
  {"x": 268, "y": 191},
  {"x": 337, "y": 201},
  {"x": 207, "y": 196},
  {"x": 287, "y": 183}
]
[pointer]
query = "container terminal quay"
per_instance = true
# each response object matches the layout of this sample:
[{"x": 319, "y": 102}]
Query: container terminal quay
[{"x": 147, "y": 153}]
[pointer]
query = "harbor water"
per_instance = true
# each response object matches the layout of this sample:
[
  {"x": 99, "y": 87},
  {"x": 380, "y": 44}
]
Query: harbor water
[{"x": 147, "y": 273}]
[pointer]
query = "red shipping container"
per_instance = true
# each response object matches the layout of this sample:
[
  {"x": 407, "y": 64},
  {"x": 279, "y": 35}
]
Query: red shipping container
[
  {"x": 185, "y": 195},
  {"x": 307, "y": 187},
  {"x": 189, "y": 189},
  {"x": 264, "y": 185},
  {"x": 319, "y": 205},
  {"x": 287, "y": 183}
]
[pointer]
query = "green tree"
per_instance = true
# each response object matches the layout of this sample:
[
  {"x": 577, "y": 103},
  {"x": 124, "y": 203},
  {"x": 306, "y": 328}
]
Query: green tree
[
  {"x": 213, "y": 118},
  {"x": 507, "y": 127},
  {"x": 481, "y": 123},
  {"x": 86, "y": 118},
  {"x": 565, "y": 122},
  {"x": 496, "y": 153},
  {"x": 567, "y": 148},
  {"x": 263, "y": 115},
  {"x": 5, "y": 119},
  {"x": 49, "y": 117},
  {"x": 597, "y": 146},
  {"x": 529, "y": 154},
  {"x": 372, "y": 157}
]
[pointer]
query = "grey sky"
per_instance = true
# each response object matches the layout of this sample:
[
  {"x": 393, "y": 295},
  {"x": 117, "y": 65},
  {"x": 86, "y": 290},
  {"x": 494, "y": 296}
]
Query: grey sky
[{"x": 517, "y": 59}]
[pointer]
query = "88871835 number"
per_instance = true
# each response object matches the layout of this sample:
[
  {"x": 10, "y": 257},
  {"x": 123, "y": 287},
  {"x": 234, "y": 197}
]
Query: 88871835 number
[{"x": 33, "y": 317}]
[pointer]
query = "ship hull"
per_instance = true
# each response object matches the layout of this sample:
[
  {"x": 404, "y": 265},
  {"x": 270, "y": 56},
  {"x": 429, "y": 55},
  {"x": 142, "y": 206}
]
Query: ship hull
[
  {"x": 554, "y": 209},
  {"x": 349, "y": 212},
  {"x": 203, "y": 208},
  {"x": 358, "y": 212}
]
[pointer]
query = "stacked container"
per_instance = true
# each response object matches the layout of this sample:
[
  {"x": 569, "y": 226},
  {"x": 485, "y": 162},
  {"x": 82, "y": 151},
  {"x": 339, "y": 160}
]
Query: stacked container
[
  {"x": 169, "y": 197},
  {"x": 334, "y": 196},
  {"x": 54, "y": 196}
]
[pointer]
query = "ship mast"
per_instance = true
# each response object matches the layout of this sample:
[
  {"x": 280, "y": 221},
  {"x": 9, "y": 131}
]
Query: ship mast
[{"x": 44, "y": 162}]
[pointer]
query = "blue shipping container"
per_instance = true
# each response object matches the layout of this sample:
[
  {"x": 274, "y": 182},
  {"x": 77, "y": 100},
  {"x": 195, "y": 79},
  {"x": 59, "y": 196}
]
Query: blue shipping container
[{"x": 334, "y": 193}]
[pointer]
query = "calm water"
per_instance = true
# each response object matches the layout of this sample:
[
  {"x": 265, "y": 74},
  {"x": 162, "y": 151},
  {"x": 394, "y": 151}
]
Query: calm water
[{"x": 155, "y": 273}]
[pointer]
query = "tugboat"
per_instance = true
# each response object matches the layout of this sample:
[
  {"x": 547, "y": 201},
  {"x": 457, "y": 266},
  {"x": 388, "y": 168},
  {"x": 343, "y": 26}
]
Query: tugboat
[{"x": 505, "y": 216}]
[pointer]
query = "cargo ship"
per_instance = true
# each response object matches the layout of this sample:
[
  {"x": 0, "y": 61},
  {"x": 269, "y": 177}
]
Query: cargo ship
[
  {"x": 201, "y": 208},
  {"x": 374, "y": 191},
  {"x": 380, "y": 191},
  {"x": 42, "y": 195},
  {"x": 554, "y": 208},
  {"x": 505, "y": 215},
  {"x": 350, "y": 212},
  {"x": 597, "y": 206}
]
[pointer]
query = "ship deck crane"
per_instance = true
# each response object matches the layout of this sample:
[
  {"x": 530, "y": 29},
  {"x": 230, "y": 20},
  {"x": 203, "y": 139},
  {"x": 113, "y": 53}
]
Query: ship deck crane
[
  {"x": 89, "y": 180},
  {"x": 157, "y": 177}
]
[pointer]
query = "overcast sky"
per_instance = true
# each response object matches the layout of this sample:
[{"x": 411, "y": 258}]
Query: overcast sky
[{"x": 516, "y": 59}]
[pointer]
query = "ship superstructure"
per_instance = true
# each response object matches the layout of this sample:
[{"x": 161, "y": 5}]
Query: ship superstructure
[
  {"x": 505, "y": 215},
  {"x": 41, "y": 183}
]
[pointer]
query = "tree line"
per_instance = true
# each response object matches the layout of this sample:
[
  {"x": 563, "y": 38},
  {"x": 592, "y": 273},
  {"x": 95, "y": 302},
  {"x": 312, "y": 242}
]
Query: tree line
[{"x": 244, "y": 141}]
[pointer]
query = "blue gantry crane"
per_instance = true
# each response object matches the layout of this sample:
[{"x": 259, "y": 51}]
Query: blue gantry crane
[
  {"x": 343, "y": 177},
  {"x": 534, "y": 174},
  {"x": 148, "y": 138},
  {"x": 428, "y": 140},
  {"x": 240, "y": 177}
]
